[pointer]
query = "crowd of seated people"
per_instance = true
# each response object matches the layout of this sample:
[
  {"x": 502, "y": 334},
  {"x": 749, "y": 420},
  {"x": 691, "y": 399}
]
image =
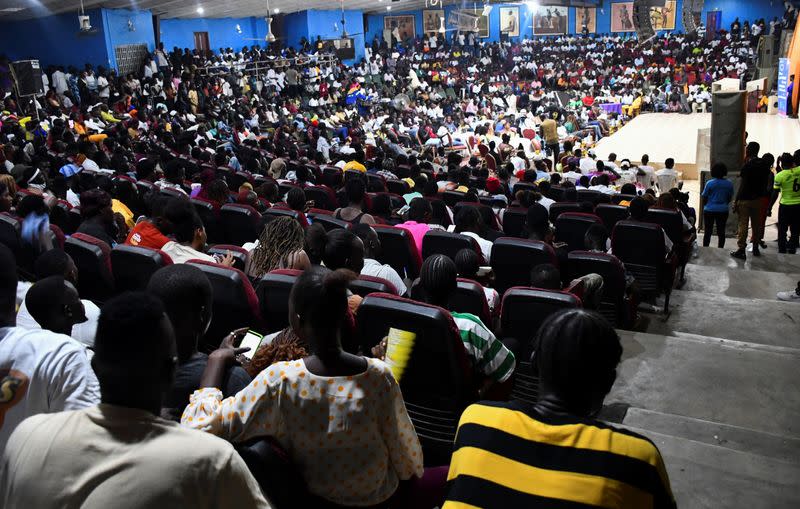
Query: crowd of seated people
[{"x": 147, "y": 236}]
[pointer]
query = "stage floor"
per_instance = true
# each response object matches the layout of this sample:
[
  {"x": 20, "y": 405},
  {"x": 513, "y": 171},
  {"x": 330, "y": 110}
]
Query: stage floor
[{"x": 664, "y": 135}]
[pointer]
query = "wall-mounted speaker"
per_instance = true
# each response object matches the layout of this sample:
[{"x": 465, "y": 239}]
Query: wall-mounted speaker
[
  {"x": 28, "y": 76},
  {"x": 641, "y": 19}
]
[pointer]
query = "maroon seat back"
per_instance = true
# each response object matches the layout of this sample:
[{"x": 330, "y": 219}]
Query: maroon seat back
[
  {"x": 133, "y": 266},
  {"x": 571, "y": 228},
  {"x": 93, "y": 258},
  {"x": 513, "y": 259}
]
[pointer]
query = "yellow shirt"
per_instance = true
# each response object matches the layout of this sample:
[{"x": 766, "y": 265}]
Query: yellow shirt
[
  {"x": 354, "y": 165},
  {"x": 121, "y": 208}
]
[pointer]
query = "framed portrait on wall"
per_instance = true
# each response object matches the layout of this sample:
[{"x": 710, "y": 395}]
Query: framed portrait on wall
[
  {"x": 403, "y": 24},
  {"x": 622, "y": 17},
  {"x": 550, "y": 20},
  {"x": 586, "y": 16},
  {"x": 483, "y": 22},
  {"x": 430, "y": 21},
  {"x": 509, "y": 21},
  {"x": 663, "y": 18}
]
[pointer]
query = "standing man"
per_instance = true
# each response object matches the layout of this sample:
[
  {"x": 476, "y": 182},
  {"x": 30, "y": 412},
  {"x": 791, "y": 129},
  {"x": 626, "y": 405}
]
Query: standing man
[
  {"x": 787, "y": 185},
  {"x": 753, "y": 181},
  {"x": 550, "y": 135}
]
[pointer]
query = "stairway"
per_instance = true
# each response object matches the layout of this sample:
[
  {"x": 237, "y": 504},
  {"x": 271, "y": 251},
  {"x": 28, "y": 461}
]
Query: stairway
[{"x": 715, "y": 384}]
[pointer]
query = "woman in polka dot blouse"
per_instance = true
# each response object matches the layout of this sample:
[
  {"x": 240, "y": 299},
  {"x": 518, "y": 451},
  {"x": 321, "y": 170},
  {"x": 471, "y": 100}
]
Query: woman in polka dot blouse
[{"x": 340, "y": 417}]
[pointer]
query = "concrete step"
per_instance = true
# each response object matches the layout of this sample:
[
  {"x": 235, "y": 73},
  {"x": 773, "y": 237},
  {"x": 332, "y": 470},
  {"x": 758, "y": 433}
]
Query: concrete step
[
  {"x": 768, "y": 322},
  {"x": 746, "y": 385},
  {"x": 747, "y": 440},
  {"x": 770, "y": 261},
  {"x": 710, "y": 476},
  {"x": 737, "y": 282}
]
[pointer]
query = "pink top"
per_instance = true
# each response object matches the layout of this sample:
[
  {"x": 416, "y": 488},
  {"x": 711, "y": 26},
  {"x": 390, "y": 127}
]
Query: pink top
[{"x": 417, "y": 230}]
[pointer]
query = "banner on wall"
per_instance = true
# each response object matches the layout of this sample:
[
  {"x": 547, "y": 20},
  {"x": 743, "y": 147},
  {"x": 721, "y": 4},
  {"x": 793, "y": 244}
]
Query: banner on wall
[{"x": 784, "y": 68}]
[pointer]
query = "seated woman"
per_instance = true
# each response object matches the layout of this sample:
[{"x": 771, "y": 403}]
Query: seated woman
[
  {"x": 341, "y": 416},
  {"x": 468, "y": 264},
  {"x": 280, "y": 246},
  {"x": 356, "y": 190}
]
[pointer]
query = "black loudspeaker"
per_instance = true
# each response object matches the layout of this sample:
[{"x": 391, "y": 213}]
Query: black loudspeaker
[
  {"x": 728, "y": 123},
  {"x": 28, "y": 76},
  {"x": 641, "y": 19}
]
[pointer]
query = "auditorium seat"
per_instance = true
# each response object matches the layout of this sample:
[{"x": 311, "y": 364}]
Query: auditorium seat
[
  {"x": 323, "y": 197},
  {"x": 398, "y": 187},
  {"x": 614, "y": 304},
  {"x": 172, "y": 193},
  {"x": 132, "y": 266},
  {"x": 556, "y": 209},
  {"x": 398, "y": 250},
  {"x": 524, "y": 186},
  {"x": 672, "y": 224},
  {"x": 59, "y": 216},
  {"x": 57, "y": 237},
  {"x": 571, "y": 228},
  {"x": 10, "y": 227},
  {"x": 522, "y": 312},
  {"x": 453, "y": 197},
  {"x": 513, "y": 259},
  {"x": 469, "y": 297},
  {"x": 617, "y": 198},
  {"x": 487, "y": 213},
  {"x": 331, "y": 177},
  {"x": 209, "y": 214},
  {"x": 239, "y": 254},
  {"x": 92, "y": 257},
  {"x": 273, "y": 291},
  {"x": 240, "y": 223},
  {"x": 640, "y": 246},
  {"x": 235, "y": 304},
  {"x": 144, "y": 187},
  {"x": 446, "y": 243},
  {"x": 366, "y": 285},
  {"x": 611, "y": 214},
  {"x": 514, "y": 219},
  {"x": 331, "y": 223},
  {"x": 375, "y": 183},
  {"x": 437, "y": 382}
]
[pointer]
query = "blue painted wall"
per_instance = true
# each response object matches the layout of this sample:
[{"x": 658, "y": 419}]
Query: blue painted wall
[
  {"x": 328, "y": 25},
  {"x": 117, "y": 32},
  {"x": 54, "y": 40},
  {"x": 745, "y": 10},
  {"x": 221, "y": 32},
  {"x": 295, "y": 27}
]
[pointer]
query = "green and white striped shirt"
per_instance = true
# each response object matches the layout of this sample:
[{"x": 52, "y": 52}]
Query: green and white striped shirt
[{"x": 487, "y": 353}]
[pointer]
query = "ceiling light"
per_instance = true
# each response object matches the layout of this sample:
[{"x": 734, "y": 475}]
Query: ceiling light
[
  {"x": 277, "y": 10},
  {"x": 200, "y": 10},
  {"x": 388, "y": 7}
]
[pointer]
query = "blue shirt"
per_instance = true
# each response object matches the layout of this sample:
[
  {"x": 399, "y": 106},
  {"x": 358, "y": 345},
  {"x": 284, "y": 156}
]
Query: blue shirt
[{"x": 719, "y": 193}]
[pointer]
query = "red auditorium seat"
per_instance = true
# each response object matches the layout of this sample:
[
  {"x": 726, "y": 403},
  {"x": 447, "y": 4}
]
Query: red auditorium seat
[
  {"x": 93, "y": 258},
  {"x": 132, "y": 266},
  {"x": 240, "y": 223},
  {"x": 571, "y": 228},
  {"x": 513, "y": 259}
]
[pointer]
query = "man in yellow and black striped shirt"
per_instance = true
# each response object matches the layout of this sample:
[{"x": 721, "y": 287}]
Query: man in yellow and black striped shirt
[{"x": 552, "y": 454}]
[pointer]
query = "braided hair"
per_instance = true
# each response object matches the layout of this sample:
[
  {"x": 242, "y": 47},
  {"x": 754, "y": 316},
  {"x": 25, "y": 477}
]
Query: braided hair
[{"x": 279, "y": 240}]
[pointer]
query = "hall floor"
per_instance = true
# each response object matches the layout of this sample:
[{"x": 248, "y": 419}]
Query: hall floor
[{"x": 673, "y": 135}]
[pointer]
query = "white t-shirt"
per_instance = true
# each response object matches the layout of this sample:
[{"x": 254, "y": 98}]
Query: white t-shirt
[
  {"x": 182, "y": 254},
  {"x": 486, "y": 246},
  {"x": 667, "y": 179},
  {"x": 107, "y": 454},
  {"x": 42, "y": 372},
  {"x": 374, "y": 268},
  {"x": 82, "y": 332},
  {"x": 647, "y": 179}
]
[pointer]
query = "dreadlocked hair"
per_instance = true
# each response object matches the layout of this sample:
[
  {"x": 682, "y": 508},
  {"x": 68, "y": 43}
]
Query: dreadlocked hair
[{"x": 279, "y": 240}]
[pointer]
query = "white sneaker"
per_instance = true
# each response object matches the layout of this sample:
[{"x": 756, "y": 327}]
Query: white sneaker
[{"x": 792, "y": 296}]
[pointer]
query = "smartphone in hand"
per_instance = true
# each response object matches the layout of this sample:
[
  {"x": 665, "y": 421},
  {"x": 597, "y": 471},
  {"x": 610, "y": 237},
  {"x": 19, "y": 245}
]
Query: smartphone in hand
[{"x": 251, "y": 340}]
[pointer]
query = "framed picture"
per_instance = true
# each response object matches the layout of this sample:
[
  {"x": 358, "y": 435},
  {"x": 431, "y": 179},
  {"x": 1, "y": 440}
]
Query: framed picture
[
  {"x": 483, "y": 22},
  {"x": 403, "y": 24},
  {"x": 622, "y": 17},
  {"x": 663, "y": 18},
  {"x": 509, "y": 21},
  {"x": 585, "y": 16},
  {"x": 430, "y": 21},
  {"x": 550, "y": 20}
]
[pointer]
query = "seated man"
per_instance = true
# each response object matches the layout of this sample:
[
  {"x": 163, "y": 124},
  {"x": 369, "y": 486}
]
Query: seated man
[
  {"x": 41, "y": 371},
  {"x": 54, "y": 304},
  {"x": 490, "y": 358},
  {"x": 590, "y": 287},
  {"x": 667, "y": 177},
  {"x": 554, "y": 453},
  {"x": 187, "y": 297},
  {"x": 372, "y": 267},
  {"x": 190, "y": 235},
  {"x": 119, "y": 449}
]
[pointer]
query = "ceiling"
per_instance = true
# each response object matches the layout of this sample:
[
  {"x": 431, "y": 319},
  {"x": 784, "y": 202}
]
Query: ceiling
[
  {"x": 189, "y": 8},
  {"x": 25, "y": 9}
]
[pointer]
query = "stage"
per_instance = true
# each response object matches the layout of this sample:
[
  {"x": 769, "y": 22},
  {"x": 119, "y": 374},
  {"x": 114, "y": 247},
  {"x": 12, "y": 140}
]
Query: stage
[{"x": 664, "y": 135}]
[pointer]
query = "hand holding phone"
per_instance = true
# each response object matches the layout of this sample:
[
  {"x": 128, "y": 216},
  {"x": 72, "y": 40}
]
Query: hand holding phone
[{"x": 251, "y": 340}]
